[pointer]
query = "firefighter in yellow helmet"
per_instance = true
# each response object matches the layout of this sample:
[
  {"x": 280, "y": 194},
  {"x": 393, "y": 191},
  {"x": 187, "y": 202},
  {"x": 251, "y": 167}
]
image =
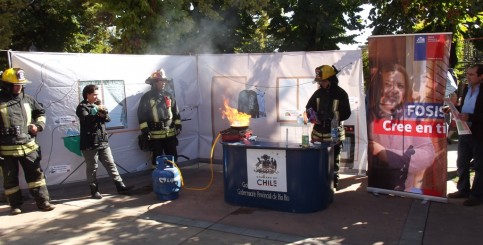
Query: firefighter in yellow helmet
[
  {"x": 21, "y": 118},
  {"x": 327, "y": 102},
  {"x": 159, "y": 117}
]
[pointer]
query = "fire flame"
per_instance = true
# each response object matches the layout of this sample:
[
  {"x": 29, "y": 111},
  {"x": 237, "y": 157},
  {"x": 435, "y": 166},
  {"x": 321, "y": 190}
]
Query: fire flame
[{"x": 234, "y": 117}]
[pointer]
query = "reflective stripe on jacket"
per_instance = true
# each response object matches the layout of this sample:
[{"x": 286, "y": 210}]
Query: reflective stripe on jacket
[
  {"x": 19, "y": 112},
  {"x": 160, "y": 109}
]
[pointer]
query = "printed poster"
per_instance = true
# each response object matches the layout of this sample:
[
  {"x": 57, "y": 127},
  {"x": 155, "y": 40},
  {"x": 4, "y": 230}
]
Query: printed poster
[
  {"x": 267, "y": 170},
  {"x": 406, "y": 128}
]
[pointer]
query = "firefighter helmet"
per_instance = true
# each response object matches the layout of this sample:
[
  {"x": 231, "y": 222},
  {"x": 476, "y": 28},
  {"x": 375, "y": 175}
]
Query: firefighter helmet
[
  {"x": 324, "y": 72},
  {"x": 156, "y": 76},
  {"x": 14, "y": 76}
]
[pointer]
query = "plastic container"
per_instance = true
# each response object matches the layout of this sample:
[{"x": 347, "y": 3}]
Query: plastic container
[
  {"x": 334, "y": 129},
  {"x": 305, "y": 135}
]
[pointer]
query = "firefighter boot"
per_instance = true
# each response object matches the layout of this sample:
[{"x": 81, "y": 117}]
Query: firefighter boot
[
  {"x": 15, "y": 210},
  {"x": 41, "y": 196},
  {"x": 15, "y": 201},
  {"x": 122, "y": 188},
  {"x": 3, "y": 197},
  {"x": 95, "y": 191}
]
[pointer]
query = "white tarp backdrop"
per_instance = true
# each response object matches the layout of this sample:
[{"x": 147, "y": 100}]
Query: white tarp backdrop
[{"x": 281, "y": 81}]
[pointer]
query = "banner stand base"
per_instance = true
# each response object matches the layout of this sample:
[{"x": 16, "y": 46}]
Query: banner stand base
[{"x": 407, "y": 194}]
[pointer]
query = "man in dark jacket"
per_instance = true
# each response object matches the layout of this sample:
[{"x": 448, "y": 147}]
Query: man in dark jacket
[
  {"x": 21, "y": 118},
  {"x": 470, "y": 146},
  {"x": 328, "y": 102},
  {"x": 94, "y": 141}
]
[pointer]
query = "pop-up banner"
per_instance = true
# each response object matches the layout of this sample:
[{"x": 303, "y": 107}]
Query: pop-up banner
[{"x": 405, "y": 121}]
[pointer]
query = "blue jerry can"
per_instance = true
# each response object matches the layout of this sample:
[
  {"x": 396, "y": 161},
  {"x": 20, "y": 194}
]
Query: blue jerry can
[{"x": 166, "y": 179}]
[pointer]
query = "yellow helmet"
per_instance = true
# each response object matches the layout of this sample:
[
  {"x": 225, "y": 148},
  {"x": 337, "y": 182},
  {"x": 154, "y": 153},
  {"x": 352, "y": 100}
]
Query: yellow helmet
[
  {"x": 324, "y": 72},
  {"x": 14, "y": 76}
]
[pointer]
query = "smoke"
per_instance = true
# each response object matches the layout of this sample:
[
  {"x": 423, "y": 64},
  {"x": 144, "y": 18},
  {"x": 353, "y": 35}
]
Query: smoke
[{"x": 197, "y": 34}]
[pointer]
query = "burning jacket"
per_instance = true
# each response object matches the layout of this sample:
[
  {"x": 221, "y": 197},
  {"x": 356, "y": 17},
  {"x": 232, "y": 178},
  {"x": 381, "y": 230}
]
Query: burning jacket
[{"x": 16, "y": 113}]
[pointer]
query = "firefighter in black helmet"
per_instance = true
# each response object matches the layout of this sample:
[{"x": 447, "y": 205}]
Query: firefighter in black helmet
[
  {"x": 159, "y": 117},
  {"x": 22, "y": 117},
  {"x": 327, "y": 102}
]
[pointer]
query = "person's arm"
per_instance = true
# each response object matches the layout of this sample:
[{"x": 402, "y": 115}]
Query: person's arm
[
  {"x": 142, "y": 114},
  {"x": 176, "y": 116},
  {"x": 85, "y": 114},
  {"x": 477, "y": 116},
  {"x": 419, "y": 154},
  {"x": 344, "y": 106},
  {"x": 38, "y": 118},
  {"x": 424, "y": 155}
]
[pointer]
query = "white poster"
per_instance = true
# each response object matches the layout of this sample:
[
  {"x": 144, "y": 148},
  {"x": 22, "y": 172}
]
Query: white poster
[{"x": 267, "y": 170}]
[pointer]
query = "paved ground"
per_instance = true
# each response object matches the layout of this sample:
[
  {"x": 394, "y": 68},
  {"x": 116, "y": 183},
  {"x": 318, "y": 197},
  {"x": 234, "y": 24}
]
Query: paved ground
[{"x": 202, "y": 217}]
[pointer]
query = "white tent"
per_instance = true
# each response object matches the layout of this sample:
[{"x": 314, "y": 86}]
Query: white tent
[{"x": 282, "y": 82}]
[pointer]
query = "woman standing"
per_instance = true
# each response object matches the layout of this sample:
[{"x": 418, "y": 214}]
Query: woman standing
[{"x": 94, "y": 141}]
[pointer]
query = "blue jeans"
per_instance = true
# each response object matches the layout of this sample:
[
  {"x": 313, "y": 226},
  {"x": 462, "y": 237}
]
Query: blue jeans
[{"x": 469, "y": 148}]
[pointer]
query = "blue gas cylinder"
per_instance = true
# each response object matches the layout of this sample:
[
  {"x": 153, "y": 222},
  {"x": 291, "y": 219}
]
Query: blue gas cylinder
[{"x": 166, "y": 179}]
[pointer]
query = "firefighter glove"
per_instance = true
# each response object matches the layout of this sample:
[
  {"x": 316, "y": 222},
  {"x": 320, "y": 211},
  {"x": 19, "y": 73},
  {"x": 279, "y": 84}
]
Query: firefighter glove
[
  {"x": 146, "y": 133},
  {"x": 178, "y": 129}
]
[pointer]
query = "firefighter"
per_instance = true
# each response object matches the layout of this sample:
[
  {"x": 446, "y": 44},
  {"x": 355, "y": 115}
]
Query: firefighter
[
  {"x": 159, "y": 117},
  {"x": 22, "y": 117},
  {"x": 327, "y": 102}
]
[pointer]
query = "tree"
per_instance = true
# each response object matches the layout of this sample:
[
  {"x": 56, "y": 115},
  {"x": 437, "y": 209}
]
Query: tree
[
  {"x": 463, "y": 18},
  {"x": 181, "y": 26},
  {"x": 314, "y": 25},
  {"x": 8, "y": 11},
  {"x": 54, "y": 25}
]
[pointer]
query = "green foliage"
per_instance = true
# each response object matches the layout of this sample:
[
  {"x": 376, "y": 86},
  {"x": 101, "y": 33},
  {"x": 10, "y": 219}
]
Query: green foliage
[
  {"x": 221, "y": 26},
  {"x": 183, "y": 27},
  {"x": 8, "y": 12},
  {"x": 54, "y": 25},
  {"x": 178, "y": 26},
  {"x": 464, "y": 18},
  {"x": 314, "y": 25}
]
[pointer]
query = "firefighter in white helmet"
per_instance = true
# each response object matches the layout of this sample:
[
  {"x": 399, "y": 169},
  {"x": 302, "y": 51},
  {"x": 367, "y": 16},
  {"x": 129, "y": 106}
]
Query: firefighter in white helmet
[
  {"x": 159, "y": 117},
  {"x": 22, "y": 117}
]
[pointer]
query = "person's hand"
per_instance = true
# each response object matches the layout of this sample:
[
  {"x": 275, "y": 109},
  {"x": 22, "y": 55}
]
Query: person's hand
[
  {"x": 377, "y": 150},
  {"x": 146, "y": 133},
  {"x": 464, "y": 117},
  {"x": 33, "y": 130},
  {"x": 178, "y": 129},
  {"x": 446, "y": 109},
  {"x": 376, "y": 147}
]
